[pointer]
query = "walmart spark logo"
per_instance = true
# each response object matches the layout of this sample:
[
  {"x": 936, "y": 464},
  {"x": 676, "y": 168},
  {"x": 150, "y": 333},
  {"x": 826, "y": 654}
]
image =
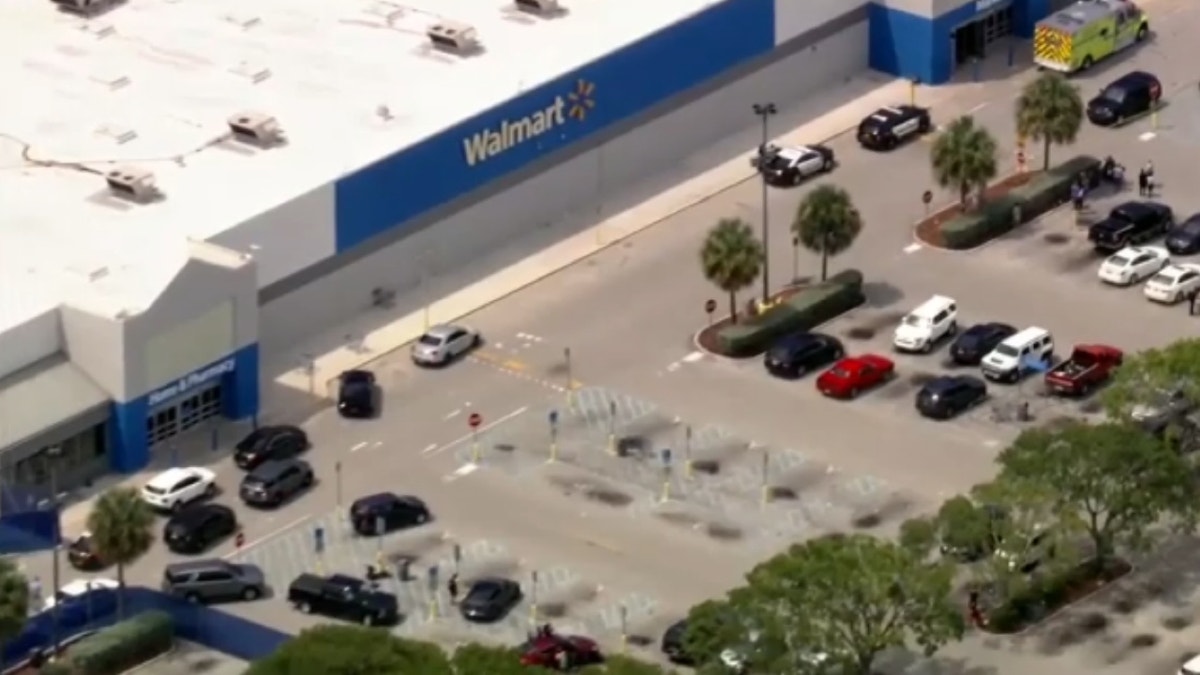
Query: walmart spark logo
[{"x": 494, "y": 141}]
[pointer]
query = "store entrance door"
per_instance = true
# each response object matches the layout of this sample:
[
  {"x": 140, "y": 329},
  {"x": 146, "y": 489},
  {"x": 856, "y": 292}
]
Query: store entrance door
[
  {"x": 169, "y": 420},
  {"x": 972, "y": 40}
]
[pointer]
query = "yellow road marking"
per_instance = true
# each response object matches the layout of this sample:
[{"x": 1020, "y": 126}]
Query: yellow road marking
[{"x": 515, "y": 365}]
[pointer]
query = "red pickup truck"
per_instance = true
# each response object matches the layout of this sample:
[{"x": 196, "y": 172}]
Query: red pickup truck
[{"x": 1089, "y": 367}]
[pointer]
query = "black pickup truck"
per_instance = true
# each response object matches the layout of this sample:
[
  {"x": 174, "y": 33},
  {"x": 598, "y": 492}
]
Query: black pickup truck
[
  {"x": 1130, "y": 224},
  {"x": 343, "y": 597}
]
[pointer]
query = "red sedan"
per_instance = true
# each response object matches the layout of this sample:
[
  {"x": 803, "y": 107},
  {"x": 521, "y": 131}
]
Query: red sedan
[
  {"x": 550, "y": 650},
  {"x": 855, "y": 374}
]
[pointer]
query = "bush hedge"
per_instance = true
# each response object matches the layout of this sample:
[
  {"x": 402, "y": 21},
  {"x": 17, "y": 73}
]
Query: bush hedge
[
  {"x": 1044, "y": 191},
  {"x": 1051, "y": 593},
  {"x": 123, "y": 645},
  {"x": 803, "y": 311}
]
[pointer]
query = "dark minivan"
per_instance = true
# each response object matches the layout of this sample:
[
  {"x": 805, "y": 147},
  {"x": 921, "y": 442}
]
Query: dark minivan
[
  {"x": 197, "y": 527},
  {"x": 1129, "y": 97},
  {"x": 944, "y": 397},
  {"x": 975, "y": 342},
  {"x": 275, "y": 482},
  {"x": 798, "y": 354},
  {"x": 268, "y": 443}
]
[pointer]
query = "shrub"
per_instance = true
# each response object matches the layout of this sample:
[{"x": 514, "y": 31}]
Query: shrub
[
  {"x": 123, "y": 645},
  {"x": 1044, "y": 191},
  {"x": 804, "y": 310},
  {"x": 56, "y": 668}
]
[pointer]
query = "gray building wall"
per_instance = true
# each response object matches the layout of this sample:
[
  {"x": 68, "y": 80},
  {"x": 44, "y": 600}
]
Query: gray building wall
[
  {"x": 96, "y": 344},
  {"x": 616, "y": 172}
]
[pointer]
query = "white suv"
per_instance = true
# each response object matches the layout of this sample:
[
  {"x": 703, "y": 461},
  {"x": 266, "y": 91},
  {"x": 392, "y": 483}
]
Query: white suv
[
  {"x": 175, "y": 488},
  {"x": 934, "y": 319}
]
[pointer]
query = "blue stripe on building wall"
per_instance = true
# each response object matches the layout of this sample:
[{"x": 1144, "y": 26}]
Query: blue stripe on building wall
[{"x": 618, "y": 86}]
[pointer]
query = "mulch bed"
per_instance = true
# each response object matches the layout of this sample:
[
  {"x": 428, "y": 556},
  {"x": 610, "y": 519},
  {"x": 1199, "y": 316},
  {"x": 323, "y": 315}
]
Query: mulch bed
[
  {"x": 1076, "y": 585},
  {"x": 929, "y": 230},
  {"x": 707, "y": 337}
]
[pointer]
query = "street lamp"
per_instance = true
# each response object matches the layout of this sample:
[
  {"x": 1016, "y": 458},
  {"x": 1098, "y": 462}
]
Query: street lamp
[
  {"x": 764, "y": 112},
  {"x": 53, "y": 454}
]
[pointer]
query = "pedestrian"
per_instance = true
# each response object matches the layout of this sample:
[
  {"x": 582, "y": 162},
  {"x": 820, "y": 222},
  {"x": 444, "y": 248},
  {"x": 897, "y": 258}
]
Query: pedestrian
[
  {"x": 1149, "y": 169},
  {"x": 452, "y": 588},
  {"x": 1077, "y": 195},
  {"x": 1143, "y": 179},
  {"x": 1192, "y": 296},
  {"x": 973, "y": 610},
  {"x": 35, "y": 592},
  {"x": 405, "y": 566}
]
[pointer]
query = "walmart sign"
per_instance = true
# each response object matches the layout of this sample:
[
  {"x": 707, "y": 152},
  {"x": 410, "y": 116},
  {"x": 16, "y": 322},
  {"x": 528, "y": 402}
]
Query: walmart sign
[
  {"x": 191, "y": 381},
  {"x": 494, "y": 141}
]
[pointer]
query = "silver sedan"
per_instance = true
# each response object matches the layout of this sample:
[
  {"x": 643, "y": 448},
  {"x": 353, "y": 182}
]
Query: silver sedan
[{"x": 442, "y": 344}]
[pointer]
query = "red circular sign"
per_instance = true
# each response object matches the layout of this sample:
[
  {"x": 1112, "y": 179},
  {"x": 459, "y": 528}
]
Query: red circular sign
[{"x": 475, "y": 420}]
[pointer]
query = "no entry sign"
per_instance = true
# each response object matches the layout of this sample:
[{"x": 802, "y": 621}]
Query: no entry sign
[{"x": 474, "y": 420}]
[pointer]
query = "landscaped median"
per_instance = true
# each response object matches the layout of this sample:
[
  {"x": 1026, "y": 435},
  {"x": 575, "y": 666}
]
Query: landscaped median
[
  {"x": 1008, "y": 203},
  {"x": 798, "y": 309},
  {"x": 117, "y": 648}
]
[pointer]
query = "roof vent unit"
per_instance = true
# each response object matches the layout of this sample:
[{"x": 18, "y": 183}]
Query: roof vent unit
[
  {"x": 538, "y": 6},
  {"x": 132, "y": 183},
  {"x": 256, "y": 129},
  {"x": 84, "y": 6},
  {"x": 452, "y": 36}
]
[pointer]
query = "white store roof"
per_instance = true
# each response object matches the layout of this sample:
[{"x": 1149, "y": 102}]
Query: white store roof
[{"x": 151, "y": 84}]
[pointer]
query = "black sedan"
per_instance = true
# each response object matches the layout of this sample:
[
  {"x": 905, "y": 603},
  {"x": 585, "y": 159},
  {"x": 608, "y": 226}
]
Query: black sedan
[
  {"x": 356, "y": 394},
  {"x": 269, "y": 443},
  {"x": 798, "y": 354},
  {"x": 1184, "y": 238},
  {"x": 196, "y": 528},
  {"x": 975, "y": 342},
  {"x": 490, "y": 599},
  {"x": 949, "y": 395}
]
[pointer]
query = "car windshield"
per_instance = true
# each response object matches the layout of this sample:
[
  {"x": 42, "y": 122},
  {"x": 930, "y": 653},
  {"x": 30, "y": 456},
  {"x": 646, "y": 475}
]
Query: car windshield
[
  {"x": 1188, "y": 671},
  {"x": 777, "y": 161},
  {"x": 484, "y": 592},
  {"x": 1119, "y": 261},
  {"x": 914, "y": 320},
  {"x": 1114, "y": 94},
  {"x": 840, "y": 373},
  {"x": 1191, "y": 227},
  {"x": 1006, "y": 350},
  {"x": 155, "y": 490},
  {"x": 430, "y": 340},
  {"x": 1162, "y": 279}
]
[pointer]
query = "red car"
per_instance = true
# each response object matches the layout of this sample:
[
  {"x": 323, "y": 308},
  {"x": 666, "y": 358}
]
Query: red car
[
  {"x": 560, "y": 652},
  {"x": 855, "y": 374}
]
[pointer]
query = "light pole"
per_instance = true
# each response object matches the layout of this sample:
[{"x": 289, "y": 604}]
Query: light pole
[
  {"x": 764, "y": 112},
  {"x": 53, "y": 453}
]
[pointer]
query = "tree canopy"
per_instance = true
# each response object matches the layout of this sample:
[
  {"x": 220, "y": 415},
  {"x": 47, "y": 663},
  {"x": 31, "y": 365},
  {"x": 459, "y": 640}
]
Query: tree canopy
[
  {"x": 1049, "y": 110},
  {"x": 1111, "y": 481},
  {"x": 1146, "y": 377},
  {"x": 731, "y": 258},
  {"x": 122, "y": 527},
  {"x": 14, "y": 601},
  {"x": 964, "y": 158},
  {"x": 827, "y": 223}
]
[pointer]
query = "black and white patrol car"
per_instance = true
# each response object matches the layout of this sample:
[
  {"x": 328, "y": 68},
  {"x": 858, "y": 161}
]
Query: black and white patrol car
[
  {"x": 888, "y": 127},
  {"x": 784, "y": 166}
]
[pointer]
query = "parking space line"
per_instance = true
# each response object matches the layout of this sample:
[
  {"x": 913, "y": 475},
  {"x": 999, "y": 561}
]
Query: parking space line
[
  {"x": 461, "y": 472},
  {"x": 358, "y": 446},
  {"x": 438, "y": 449},
  {"x": 270, "y": 535}
]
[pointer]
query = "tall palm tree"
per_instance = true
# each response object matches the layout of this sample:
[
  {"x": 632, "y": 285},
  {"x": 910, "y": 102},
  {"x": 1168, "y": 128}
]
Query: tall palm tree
[
  {"x": 1049, "y": 110},
  {"x": 731, "y": 258},
  {"x": 964, "y": 158},
  {"x": 122, "y": 527},
  {"x": 827, "y": 223},
  {"x": 14, "y": 601}
]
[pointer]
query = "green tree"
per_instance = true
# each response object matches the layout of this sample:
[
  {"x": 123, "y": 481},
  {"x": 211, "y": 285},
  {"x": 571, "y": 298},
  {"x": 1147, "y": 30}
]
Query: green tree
[
  {"x": 122, "y": 527},
  {"x": 14, "y": 601},
  {"x": 731, "y": 258},
  {"x": 1049, "y": 110},
  {"x": 827, "y": 223},
  {"x": 1144, "y": 378},
  {"x": 850, "y": 598},
  {"x": 964, "y": 158},
  {"x": 1110, "y": 481},
  {"x": 711, "y": 628},
  {"x": 333, "y": 649},
  {"x": 477, "y": 659}
]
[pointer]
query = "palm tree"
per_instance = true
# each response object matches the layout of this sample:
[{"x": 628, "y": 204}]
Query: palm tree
[
  {"x": 1050, "y": 110},
  {"x": 122, "y": 531},
  {"x": 731, "y": 258},
  {"x": 964, "y": 158},
  {"x": 14, "y": 601},
  {"x": 827, "y": 223}
]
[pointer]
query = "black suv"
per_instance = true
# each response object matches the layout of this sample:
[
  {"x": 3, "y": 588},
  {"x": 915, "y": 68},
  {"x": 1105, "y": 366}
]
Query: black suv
[
  {"x": 798, "y": 354},
  {"x": 381, "y": 513},
  {"x": 1184, "y": 238},
  {"x": 273, "y": 483},
  {"x": 1129, "y": 97},
  {"x": 672, "y": 644},
  {"x": 357, "y": 394},
  {"x": 343, "y": 597},
  {"x": 1130, "y": 224},
  {"x": 975, "y": 342},
  {"x": 197, "y": 527},
  {"x": 888, "y": 127},
  {"x": 946, "y": 396},
  {"x": 267, "y": 443}
]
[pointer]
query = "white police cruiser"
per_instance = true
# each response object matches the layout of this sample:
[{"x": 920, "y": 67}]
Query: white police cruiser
[
  {"x": 888, "y": 127},
  {"x": 789, "y": 166}
]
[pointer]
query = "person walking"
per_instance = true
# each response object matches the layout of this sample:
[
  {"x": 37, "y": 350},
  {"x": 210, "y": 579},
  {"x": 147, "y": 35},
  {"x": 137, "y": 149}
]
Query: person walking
[
  {"x": 1077, "y": 193},
  {"x": 1192, "y": 296},
  {"x": 452, "y": 588},
  {"x": 1143, "y": 179},
  {"x": 1149, "y": 170}
]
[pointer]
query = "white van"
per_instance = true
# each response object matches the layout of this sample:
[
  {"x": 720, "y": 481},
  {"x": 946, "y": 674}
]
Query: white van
[
  {"x": 1008, "y": 361},
  {"x": 932, "y": 320}
]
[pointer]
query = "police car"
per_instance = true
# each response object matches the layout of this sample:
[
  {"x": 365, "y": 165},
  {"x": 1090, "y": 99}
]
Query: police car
[
  {"x": 888, "y": 127},
  {"x": 791, "y": 165}
]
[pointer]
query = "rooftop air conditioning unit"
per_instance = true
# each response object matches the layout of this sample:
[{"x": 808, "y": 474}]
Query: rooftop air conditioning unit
[
  {"x": 132, "y": 183},
  {"x": 83, "y": 6},
  {"x": 256, "y": 129},
  {"x": 538, "y": 6},
  {"x": 453, "y": 36}
]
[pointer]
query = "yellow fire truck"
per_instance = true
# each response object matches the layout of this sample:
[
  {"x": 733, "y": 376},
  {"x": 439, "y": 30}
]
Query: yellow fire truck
[{"x": 1077, "y": 37}]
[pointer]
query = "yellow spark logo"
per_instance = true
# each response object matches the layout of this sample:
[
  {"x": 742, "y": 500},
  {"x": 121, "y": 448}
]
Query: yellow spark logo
[{"x": 582, "y": 99}]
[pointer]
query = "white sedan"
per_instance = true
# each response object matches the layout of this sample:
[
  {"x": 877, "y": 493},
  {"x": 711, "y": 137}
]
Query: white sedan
[
  {"x": 178, "y": 487},
  {"x": 78, "y": 588},
  {"x": 1174, "y": 283},
  {"x": 1133, "y": 264}
]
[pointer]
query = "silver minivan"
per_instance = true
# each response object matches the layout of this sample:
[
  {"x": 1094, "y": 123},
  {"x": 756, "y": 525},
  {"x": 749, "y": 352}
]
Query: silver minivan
[{"x": 213, "y": 580}]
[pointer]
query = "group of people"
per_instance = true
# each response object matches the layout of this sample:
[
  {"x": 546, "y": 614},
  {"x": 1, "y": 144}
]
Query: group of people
[{"x": 1114, "y": 174}]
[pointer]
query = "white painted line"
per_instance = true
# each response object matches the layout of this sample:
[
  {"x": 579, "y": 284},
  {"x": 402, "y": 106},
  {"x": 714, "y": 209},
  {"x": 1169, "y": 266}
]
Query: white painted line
[
  {"x": 377, "y": 444},
  {"x": 270, "y": 535},
  {"x": 429, "y": 448},
  {"x": 433, "y": 450},
  {"x": 693, "y": 357},
  {"x": 452, "y": 415},
  {"x": 358, "y": 446},
  {"x": 977, "y": 108},
  {"x": 912, "y": 248},
  {"x": 1148, "y": 136},
  {"x": 461, "y": 472},
  {"x": 674, "y": 367}
]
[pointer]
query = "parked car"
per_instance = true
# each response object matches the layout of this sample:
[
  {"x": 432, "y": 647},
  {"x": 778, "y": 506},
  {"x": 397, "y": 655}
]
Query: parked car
[
  {"x": 1184, "y": 238},
  {"x": 1088, "y": 367},
  {"x": 795, "y": 355},
  {"x": 930, "y": 322},
  {"x": 789, "y": 166},
  {"x": 78, "y": 590},
  {"x": 387, "y": 511},
  {"x": 1130, "y": 224},
  {"x": 357, "y": 394},
  {"x": 548, "y": 649},
  {"x": 853, "y": 375},
  {"x": 1133, "y": 264},
  {"x": 175, "y": 488},
  {"x": 1013, "y": 358},
  {"x": 1163, "y": 411},
  {"x": 947, "y": 396},
  {"x": 83, "y": 556},
  {"x": 489, "y": 599},
  {"x": 268, "y": 443},
  {"x": 343, "y": 597},
  {"x": 442, "y": 344},
  {"x": 1173, "y": 283},
  {"x": 1128, "y": 97},
  {"x": 975, "y": 342},
  {"x": 673, "y": 644},
  {"x": 197, "y": 528},
  {"x": 213, "y": 580},
  {"x": 275, "y": 482}
]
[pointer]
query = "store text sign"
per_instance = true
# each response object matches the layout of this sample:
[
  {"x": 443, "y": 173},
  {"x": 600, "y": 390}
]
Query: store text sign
[{"x": 191, "y": 381}]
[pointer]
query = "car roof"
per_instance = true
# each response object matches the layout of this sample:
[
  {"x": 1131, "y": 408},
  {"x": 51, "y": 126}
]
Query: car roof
[
  {"x": 1133, "y": 207},
  {"x": 443, "y": 330},
  {"x": 1134, "y": 77},
  {"x": 170, "y": 477},
  {"x": 1027, "y": 335},
  {"x": 357, "y": 375},
  {"x": 195, "y": 513},
  {"x": 273, "y": 467},
  {"x": 797, "y": 340},
  {"x": 199, "y": 565},
  {"x": 376, "y": 499},
  {"x": 932, "y": 306}
]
